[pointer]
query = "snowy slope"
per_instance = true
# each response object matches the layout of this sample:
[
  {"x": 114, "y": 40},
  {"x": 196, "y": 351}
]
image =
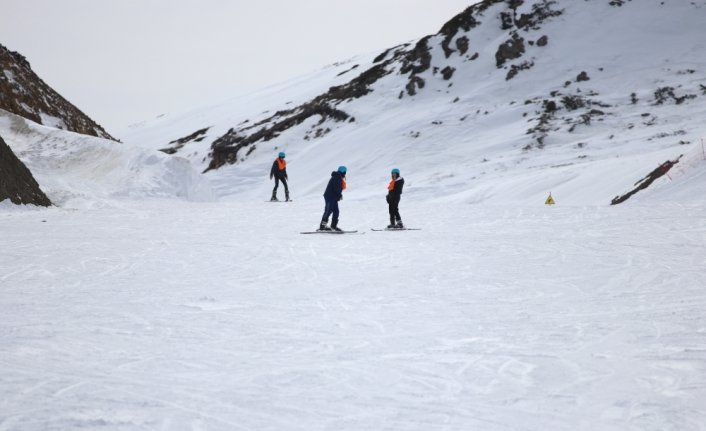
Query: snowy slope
[
  {"x": 119, "y": 311},
  {"x": 468, "y": 138},
  {"x": 220, "y": 316},
  {"x": 77, "y": 170}
]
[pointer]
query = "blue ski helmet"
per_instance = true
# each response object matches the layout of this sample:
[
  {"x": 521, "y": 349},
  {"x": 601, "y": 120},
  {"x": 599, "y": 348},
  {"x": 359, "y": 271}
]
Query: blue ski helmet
[
  {"x": 342, "y": 169},
  {"x": 396, "y": 171},
  {"x": 281, "y": 154}
]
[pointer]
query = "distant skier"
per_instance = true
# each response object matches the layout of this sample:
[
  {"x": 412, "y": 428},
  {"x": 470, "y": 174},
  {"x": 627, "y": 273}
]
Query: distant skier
[
  {"x": 279, "y": 172},
  {"x": 333, "y": 194},
  {"x": 394, "y": 193}
]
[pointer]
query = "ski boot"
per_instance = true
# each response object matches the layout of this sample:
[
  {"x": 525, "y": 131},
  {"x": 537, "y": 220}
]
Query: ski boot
[
  {"x": 323, "y": 226},
  {"x": 274, "y": 197},
  {"x": 286, "y": 197},
  {"x": 399, "y": 225},
  {"x": 334, "y": 226}
]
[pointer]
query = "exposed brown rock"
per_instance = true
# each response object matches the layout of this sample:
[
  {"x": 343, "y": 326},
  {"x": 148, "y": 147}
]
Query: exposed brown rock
[
  {"x": 178, "y": 144},
  {"x": 414, "y": 83},
  {"x": 511, "y": 49},
  {"x": 462, "y": 44},
  {"x": 647, "y": 180},
  {"x": 447, "y": 72},
  {"x": 16, "y": 181},
  {"x": 23, "y": 93}
]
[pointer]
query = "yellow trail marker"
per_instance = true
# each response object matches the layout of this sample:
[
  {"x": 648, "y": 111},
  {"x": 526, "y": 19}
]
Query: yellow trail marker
[{"x": 550, "y": 200}]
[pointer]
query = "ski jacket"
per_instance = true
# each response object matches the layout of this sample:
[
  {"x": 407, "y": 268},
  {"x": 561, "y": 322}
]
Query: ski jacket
[
  {"x": 279, "y": 169},
  {"x": 394, "y": 190},
  {"x": 335, "y": 187}
]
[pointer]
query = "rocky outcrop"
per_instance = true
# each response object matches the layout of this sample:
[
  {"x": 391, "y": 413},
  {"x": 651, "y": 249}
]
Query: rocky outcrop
[
  {"x": 660, "y": 171},
  {"x": 512, "y": 48},
  {"x": 178, "y": 144},
  {"x": 16, "y": 181},
  {"x": 23, "y": 93},
  {"x": 227, "y": 147}
]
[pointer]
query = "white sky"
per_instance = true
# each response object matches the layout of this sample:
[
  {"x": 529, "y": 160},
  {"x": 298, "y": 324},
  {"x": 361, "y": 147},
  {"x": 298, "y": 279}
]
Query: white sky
[{"x": 123, "y": 61}]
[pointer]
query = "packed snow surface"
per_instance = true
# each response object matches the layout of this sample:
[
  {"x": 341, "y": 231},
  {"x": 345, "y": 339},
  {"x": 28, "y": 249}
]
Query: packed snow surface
[{"x": 221, "y": 316}]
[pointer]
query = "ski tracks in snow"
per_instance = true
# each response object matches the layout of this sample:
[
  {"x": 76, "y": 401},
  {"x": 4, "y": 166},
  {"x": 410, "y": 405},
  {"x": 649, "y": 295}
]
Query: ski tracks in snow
[{"x": 496, "y": 318}]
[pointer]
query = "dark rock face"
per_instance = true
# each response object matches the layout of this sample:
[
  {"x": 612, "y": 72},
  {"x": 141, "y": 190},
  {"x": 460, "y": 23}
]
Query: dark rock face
[
  {"x": 664, "y": 94},
  {"x": 506, "y": 20},
  {"x": 510, "y": 50},
  {"x": 462, "y": 44},
  {"x": 647, "y": 180},
  {"x": 516, "y": 68},
  {"x": 417, "y": 60},
  {"x": 17, "y": 182},
  {"x": 542, "y": 41},
  {"x": 413, "y": 84},
  {"x": 540, "y": 12},
  {"x": 447, "y": 72},
  {"x": 23, "y": 93},
  {"x": 178, "y": 144},
  {"x": 465, "y": 21},
  {"x": 226, "y": 148}
]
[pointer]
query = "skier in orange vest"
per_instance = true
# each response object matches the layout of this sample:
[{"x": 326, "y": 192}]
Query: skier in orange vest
[
  {"x": 279, "y": 172},
  {"x": 394, "y": 193}
]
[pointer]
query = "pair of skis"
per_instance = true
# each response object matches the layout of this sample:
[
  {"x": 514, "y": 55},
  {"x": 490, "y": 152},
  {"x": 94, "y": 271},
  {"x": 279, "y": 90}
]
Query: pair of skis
[{"x": 339, "y": 232}]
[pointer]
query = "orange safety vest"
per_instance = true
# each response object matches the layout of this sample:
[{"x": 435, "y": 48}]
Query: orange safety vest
[
  {"x": 391, "y": 186},
  {"x": 281, "y": 164}
]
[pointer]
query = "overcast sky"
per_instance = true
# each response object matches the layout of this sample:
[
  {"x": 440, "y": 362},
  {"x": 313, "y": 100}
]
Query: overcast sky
[{"x": 123, "y": 61}]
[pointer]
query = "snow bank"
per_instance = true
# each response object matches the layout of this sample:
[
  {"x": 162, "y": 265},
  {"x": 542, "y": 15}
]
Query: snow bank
[{"x": 78, "y": 170}]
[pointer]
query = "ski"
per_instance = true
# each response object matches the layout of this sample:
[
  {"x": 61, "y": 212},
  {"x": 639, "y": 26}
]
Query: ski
[
  {"x": 334, "y": 232},
  {"x": 394, "y": 229},
  {"x": 280, "y": 201}
]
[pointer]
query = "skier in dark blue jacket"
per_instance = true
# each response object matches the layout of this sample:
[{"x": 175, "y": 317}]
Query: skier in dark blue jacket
[{"x": 333, "y": 194}]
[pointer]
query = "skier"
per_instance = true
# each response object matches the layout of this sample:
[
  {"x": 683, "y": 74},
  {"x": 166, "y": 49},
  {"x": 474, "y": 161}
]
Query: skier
[
  {"x": 394, "y": 193},
  {"x": 333, "y": 194},
  {"x": 279, "y": 172}
]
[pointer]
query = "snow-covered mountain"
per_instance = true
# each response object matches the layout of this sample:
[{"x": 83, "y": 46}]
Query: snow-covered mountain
[
  {"x": 24, "y": 93},
  {"x": 593, "y": 94}
]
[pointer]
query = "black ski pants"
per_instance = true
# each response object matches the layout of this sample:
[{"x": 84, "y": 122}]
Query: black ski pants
[
  {"x": 331, "y": 208},
  {"x": 394, "y": 207},
  {"x": 284, "y": 183}
]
